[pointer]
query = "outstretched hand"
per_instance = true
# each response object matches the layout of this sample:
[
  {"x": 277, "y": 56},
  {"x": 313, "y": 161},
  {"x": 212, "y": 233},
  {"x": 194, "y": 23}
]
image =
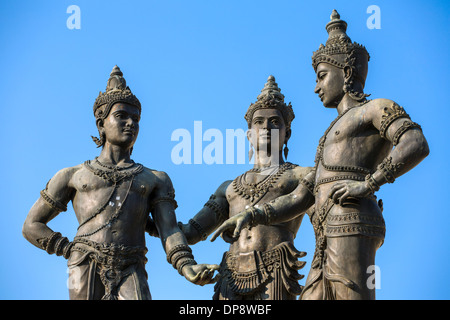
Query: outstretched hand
[
  {"x": 231, "y": 229},
  {"x": 200, "y": 274},
  {"x": 341, "y": 191}
]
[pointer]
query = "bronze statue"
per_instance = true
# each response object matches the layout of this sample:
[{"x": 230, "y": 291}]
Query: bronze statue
[
  {"x": 370, "y": 143},
  {"x": 262, "y": 263},
  {"x": 112, "y": 197}
]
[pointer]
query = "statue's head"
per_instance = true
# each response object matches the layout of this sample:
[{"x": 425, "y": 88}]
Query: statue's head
[
  {"x": 268, "y": 113},
  {"x": 117, "y": 112},
  {"x": 341, "y": 65}
]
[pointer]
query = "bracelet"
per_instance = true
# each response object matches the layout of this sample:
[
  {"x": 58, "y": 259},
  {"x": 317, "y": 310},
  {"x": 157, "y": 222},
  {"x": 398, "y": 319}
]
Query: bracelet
[
  {"x": 388, "y": 169},
  {"x": 185, "y": 262},
  {"x": 173, "y": 250},
  {"x": 57, "y": 244},
  {"x": 268, "y": 213},
  {"x": 373, "y": 185}
]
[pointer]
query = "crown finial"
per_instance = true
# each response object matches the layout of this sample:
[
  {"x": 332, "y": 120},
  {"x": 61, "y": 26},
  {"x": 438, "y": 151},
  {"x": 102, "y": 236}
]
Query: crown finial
[
  {"x": 116, "y": 71},
  {"x": 116, "y": 80},
  {"x": 335, "y": 15},
  {"x": 271, "y": 90}
]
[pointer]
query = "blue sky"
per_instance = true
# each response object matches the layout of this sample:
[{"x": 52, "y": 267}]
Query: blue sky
[{"x": 207, "y": 61}]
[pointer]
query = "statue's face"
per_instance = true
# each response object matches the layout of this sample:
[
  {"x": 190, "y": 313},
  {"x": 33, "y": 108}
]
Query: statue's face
[
  {"x": 121, "y": 126},
  {"x": 330, "y": 84},
  {"x": 262, "y": 134}
]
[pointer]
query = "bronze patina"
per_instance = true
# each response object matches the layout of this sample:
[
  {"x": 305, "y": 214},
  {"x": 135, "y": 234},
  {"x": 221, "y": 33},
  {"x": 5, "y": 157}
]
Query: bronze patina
[
  {"x": 112, "y": 197},
  {"x": 262, "y": 262},
  {"x": 369, "y": 144}
]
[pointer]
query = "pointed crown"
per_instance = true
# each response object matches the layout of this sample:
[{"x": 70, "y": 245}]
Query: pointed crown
[
  {"x": 116, "y": 91},
  {"x": 339, "y": 50},
  {"x": 271, "y": 98}
]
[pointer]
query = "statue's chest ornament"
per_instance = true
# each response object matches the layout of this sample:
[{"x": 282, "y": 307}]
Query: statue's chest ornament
[
  {"x": 256, "y": 191},
  {"x": 116, "y": 175}
]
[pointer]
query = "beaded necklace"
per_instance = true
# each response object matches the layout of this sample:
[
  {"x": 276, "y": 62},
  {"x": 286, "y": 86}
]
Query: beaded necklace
[{"x": 255, "y": 191}]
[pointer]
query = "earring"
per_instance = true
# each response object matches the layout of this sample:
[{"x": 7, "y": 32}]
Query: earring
[
  {"x": 286, "y": 151},
  {"x": 250, "y": 153}
]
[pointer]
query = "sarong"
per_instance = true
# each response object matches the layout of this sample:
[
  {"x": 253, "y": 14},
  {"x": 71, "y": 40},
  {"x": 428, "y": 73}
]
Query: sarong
[
  {"x": 256, "y": 275},
  {"x": 107, "y": 272}
]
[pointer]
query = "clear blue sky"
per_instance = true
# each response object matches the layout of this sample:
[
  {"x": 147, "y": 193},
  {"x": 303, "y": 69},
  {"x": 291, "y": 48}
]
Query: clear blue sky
[{"x": 207, "y": 61}]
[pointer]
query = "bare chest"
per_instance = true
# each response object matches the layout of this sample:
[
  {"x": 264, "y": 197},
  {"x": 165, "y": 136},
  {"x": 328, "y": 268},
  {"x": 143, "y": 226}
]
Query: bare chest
[{"x": 97, "y": 191}]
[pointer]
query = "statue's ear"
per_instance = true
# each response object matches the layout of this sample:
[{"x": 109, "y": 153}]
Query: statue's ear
[
  {"x": 99, "y": 123},
  {"x": 348, "y": 72},
  {"x": 249, "y": 134},
  {"x": 288, "y": 134}
]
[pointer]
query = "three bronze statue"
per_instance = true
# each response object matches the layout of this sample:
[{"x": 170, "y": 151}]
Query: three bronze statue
[{"x": 370, "y": 143}]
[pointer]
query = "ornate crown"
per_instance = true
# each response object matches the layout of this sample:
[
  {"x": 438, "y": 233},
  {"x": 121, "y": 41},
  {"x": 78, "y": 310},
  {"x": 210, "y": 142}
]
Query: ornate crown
[
  {"x": 271, "y": 98},
  {"x": 339, "y": 49},
  {"x": 116, "y": 91}
]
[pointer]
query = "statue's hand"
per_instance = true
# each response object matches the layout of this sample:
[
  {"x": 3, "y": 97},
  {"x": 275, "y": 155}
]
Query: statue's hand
[
  {"x": 200, "y": 274},
  {"x": 150, "y": 228},
  {"x": 341, "y": 191},
  {"x": 231, "y": 229}
]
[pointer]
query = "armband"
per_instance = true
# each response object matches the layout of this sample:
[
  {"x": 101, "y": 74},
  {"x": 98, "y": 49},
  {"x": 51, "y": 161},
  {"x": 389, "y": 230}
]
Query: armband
[
  {"x": 199, "y": 229},
  {"x": 390, "y": 115},
  {"x": 52, "y": 203},
  {"x": 164, "y": 199},
  {"x": 217, "y": 208},
  {"x": 407, "y": 125}
]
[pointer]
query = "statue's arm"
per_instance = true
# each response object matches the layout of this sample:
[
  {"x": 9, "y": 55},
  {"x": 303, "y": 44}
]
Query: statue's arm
[
  {"x": 409, "y": 148},
  {"x": 178, "y": 252},
  {"x": 209, "y": 218},
  {"x": 53, "y": 200},
  {"x": 410, "y": 145},
  {"x": 281, "y": 209}
]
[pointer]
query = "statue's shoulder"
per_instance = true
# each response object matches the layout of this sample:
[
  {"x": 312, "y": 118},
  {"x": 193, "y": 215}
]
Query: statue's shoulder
[
  {"x": 380, "y": 105},
  {"x": 222, "y": 189},
  {"x": 159, "y": 175},
  {"x": 62, "y": 179},
  {"x": 300, "y": 171},
  {"x": 160, "y": 178},
  {"x": 382, "y": 112}
]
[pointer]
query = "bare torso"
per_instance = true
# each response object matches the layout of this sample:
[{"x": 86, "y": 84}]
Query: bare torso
[
  {"x": 353, "y": 148},
  {"x": 108, "y": 213}
]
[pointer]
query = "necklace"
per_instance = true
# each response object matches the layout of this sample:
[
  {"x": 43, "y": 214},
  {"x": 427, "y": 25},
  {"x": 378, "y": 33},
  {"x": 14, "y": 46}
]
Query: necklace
[
  {"x": 114, "y": 174},
  {"x": 114, "y": 167},
  {"x": 255, "y": 191},
  {"x": 113, "y": 217}
]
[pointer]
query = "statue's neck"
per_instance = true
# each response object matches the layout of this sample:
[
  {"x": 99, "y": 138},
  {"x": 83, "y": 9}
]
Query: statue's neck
[
  {"x": 265, "y": 159},
  {"x": 346, "y": 103},
  {"x": 115, "y": 155}
]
